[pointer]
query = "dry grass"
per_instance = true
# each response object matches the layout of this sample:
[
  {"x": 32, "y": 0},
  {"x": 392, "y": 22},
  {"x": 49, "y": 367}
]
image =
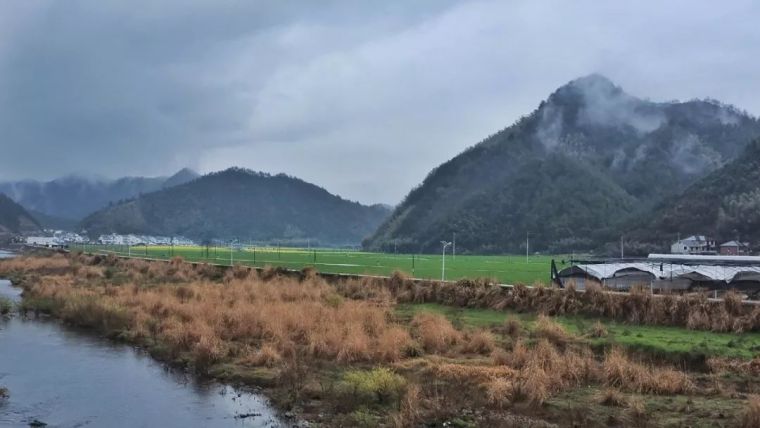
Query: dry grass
[
  {"x": 297, "y": 326},
  {"x": 551, "y": 330},
  {"x": 598, "y": 330},
  {"x": 621, "y": 372},
  {"x": 751, "y": 414},
  {"x": 612, "y": 397},
  {"x": 513, "y": 327},
  {"x": 435, "y": 332},
  {"x": 480, "y": 342},
  {"x": 209, "y": 322},
  {"x": 638, "y": 306},
  {"x": 637, "y": 411}
]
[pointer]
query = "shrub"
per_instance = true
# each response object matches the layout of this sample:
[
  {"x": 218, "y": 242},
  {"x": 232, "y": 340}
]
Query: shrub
[
  {"x": 6, "y": 306},
  {"x": 4, "y": 393},
  {"x": 380, "y": 385}
]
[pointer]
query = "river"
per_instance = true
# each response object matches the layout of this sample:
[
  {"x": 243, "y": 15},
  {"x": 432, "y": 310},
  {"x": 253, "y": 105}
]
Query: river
[{"x": 66, "y": 378}]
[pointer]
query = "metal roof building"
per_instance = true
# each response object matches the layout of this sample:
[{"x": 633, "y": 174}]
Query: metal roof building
[{"x": 667, "y": 273}]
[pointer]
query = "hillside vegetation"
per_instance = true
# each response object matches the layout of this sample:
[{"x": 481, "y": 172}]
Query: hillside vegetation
[
  {"x": 14, "y": 218},
  {"x": 724, "y": 205},
  {"x": 589, "y": 159},
  {"x": 242, "y": 204}
]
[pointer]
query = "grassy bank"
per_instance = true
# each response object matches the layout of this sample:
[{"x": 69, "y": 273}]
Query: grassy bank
[
  {"x": 678, "y": 342},
  {"x": 347, "y": 354}
]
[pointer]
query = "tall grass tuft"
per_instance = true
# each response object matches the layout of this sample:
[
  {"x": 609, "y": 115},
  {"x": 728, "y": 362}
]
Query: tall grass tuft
[{"x": 751, "y": 415}]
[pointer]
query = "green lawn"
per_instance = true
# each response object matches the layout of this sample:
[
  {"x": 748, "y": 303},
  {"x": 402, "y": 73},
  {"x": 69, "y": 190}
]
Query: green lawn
[
  {"x": 508, "y": 269},
  {"x": 658, "y": 339}
]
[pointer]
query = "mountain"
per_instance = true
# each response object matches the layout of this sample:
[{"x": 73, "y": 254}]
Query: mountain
[
  {"x": 182, "y": 176},
  {"x": 587, "y": 160},
  {"x": 724, "y": 205},
  {"x": 71, "y": 198},
  {"x": 242, "y": 204},
  {"x": 14, "y": 218}
]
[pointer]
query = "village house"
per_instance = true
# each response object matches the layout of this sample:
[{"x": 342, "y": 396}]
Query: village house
[
  {"x": 734, "y": 248},
  {"x": 695, "y": 244}
]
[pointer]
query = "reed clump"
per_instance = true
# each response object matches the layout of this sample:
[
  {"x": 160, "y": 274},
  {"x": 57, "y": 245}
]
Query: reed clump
[{"x": 638, "y": 306}]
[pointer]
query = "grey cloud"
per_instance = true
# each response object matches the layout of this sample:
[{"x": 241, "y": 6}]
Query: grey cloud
[{"x": 363, "y": 98}]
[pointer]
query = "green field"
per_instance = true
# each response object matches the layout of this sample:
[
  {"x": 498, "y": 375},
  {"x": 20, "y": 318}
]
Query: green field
[{"x": 509, "y": 269}]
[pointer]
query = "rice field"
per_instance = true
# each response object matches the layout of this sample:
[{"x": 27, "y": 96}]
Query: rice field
[{"x": 507, "y": 269}]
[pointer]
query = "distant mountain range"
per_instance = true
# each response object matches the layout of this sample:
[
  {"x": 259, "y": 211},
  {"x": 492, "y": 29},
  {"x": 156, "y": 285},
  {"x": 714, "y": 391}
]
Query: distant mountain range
[
  {"x": 724, "y": 205},
  {"x": 245, "y": 205},
  {"x": 14, "y": 218},
  {"x": 65, "y": 201},
  {"x": 573, "y": 174}
]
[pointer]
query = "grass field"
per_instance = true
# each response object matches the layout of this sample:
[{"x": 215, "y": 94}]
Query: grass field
[{"x": 509, "y": 269}]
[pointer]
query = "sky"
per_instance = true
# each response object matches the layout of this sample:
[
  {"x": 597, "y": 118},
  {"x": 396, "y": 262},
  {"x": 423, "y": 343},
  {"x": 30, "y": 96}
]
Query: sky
[{"x": 363, "y": 98}]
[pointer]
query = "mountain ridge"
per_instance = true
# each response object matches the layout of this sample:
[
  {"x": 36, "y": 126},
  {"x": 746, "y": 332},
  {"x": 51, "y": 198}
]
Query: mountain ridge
[
  {"x": 14, "y": 218},
  {"x": 640, "y": 153},
  {"x": 238, "y": 203},
  {"x": 70, "y": 198}
]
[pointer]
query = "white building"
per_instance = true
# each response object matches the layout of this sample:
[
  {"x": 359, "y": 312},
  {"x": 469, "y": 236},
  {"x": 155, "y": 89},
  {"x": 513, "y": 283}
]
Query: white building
[
  {"x": 695, "y": 244},
  {"x": 43, "y": 241}
]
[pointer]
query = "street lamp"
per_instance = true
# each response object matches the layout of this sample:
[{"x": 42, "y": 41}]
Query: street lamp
[{"x": 443, "y": 260}]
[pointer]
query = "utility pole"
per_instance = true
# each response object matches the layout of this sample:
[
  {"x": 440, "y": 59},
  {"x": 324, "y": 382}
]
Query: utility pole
[
  {"x": 454, "y": 247},
  {"x": 527, "y": 246},
  {"x": 443, "y": 260},
  {"x": 231, "y": 242},
  {"x": 622, "y": 252}
]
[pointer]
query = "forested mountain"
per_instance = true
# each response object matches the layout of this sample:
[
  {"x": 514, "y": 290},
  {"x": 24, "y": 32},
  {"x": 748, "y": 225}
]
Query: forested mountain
[
  {"x": 14, "y": 218},
  {"x": 724, "y": 205},
  {"x": 571, "y": 173},
  {"x": 69, "y": 199},
  {"x": 242, "y": 204}
]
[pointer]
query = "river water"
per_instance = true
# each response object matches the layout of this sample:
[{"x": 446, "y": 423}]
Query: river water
[{"x": 66, "y": 378}]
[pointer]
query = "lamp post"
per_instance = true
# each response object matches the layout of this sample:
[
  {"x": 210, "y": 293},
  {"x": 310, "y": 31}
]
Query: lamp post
[{"x": 443, "y": 260}]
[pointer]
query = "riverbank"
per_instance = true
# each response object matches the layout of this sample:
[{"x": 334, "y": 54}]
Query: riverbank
[
  {"x": 65, "y": 377},
  {"x": 347, "y": 354}
]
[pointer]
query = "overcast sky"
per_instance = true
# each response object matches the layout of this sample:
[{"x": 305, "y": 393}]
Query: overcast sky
[{"x": 362, "y": 98}]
